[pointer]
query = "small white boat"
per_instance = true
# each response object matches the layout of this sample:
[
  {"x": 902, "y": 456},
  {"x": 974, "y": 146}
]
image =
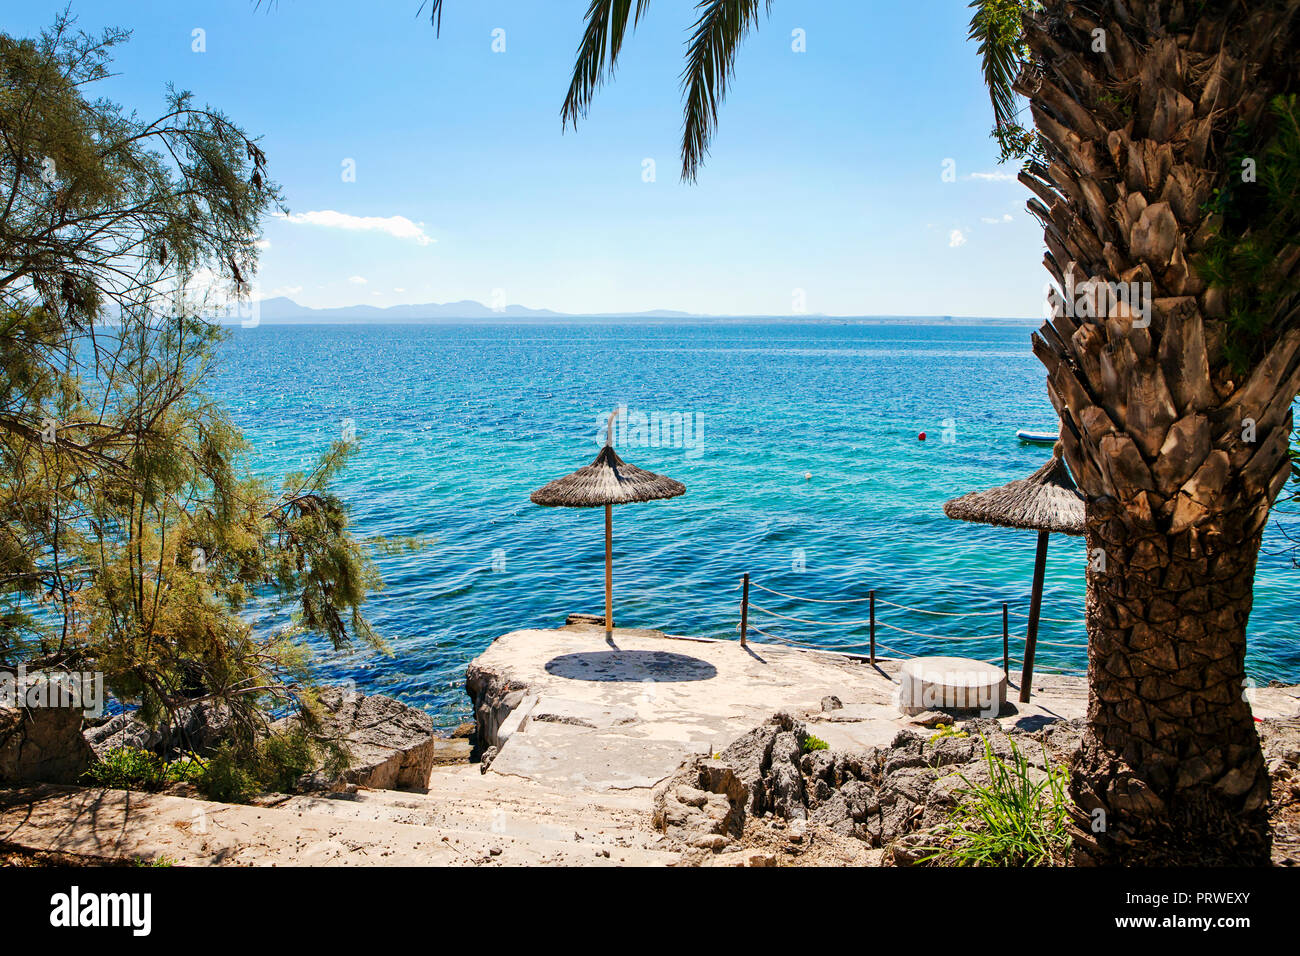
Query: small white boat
[{"x": 1038, "y": 438}]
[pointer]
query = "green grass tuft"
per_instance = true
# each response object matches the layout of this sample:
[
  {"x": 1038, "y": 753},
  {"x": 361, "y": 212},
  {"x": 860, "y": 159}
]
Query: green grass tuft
[{"x": 1011, "y": 821}]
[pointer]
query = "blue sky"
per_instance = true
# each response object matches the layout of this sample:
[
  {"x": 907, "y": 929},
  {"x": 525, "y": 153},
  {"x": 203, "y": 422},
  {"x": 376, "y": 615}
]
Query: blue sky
[{"x": 825, "y": 176}]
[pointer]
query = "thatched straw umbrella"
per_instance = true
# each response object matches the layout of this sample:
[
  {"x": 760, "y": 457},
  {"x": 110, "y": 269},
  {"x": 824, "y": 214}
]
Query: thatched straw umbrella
[
  {"x": 1046, "y": 501},
  {"x": 608, "y": 481}
]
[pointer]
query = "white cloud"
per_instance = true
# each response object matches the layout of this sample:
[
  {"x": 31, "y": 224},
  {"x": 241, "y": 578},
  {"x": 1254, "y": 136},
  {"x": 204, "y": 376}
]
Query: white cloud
[
  {"x": 1006, "y": 217},
  {"x": 286, "y": 290},
  {"x": 357, "y": 280},
  {"x": 399, "y": 227},
  {"x": 399, "y": 290},
  {"x": 263, "y": 243},
  {"x": 956, "y": 238},
  {"x": 994, "y": 177}
]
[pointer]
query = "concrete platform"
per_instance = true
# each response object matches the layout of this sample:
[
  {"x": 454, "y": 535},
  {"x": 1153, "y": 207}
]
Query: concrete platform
[
  {"x": 620, "y": 716},
  {"x": 623, "y": 715}
]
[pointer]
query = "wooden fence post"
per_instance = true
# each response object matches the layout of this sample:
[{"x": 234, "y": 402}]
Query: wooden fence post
[
  {"x": 744, "y": 610},
  {"x": 1035, "y": 605},
  {"x": 873, "y": 626}
]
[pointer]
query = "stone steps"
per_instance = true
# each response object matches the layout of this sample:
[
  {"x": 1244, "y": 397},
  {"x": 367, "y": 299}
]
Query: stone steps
[
  {"x": 465, "y": 818},
  {"x": 515, "y": 816},
  {"x": 518, "y": 835},
  {"x": 509, "y": 813},
  {"x": 467, "y": 780}
]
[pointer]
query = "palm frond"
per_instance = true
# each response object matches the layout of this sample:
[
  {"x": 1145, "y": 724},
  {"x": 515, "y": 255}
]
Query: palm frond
[
  {"x": 435, "y": 14},
  {"x": 710, "y": 63},
  {"x": 601, "y": 42},
  {"x": 995, "y": 24}
]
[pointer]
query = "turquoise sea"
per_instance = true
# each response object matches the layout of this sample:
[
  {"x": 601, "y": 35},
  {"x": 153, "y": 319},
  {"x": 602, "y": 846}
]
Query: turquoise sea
[{"x": 456, "y": 424}]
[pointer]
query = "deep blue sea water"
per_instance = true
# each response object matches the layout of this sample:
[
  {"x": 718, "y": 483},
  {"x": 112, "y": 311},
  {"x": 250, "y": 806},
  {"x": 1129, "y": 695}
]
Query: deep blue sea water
[{"x": 458, "y": 424}]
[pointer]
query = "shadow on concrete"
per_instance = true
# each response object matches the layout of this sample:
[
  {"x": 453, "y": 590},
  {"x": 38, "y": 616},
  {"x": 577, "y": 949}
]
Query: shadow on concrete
[
  {"x": 631, "y": 666},
  {"x": 1036, "y": 722}
]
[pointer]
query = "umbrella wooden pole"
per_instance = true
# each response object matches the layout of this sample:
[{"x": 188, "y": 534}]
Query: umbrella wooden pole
[
  {"x": 609, "y": 570},
  {"x": 1035, "y": 605}
]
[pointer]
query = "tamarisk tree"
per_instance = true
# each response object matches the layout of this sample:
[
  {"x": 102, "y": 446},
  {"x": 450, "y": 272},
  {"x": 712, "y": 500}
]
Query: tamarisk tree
[{"x": 131, "y": 537}]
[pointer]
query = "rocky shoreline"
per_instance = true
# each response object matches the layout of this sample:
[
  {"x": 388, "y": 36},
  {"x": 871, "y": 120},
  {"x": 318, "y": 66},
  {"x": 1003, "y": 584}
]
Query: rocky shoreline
[
  {"x": 767, "y": 799},
  {"x": 390, "y": 745}
]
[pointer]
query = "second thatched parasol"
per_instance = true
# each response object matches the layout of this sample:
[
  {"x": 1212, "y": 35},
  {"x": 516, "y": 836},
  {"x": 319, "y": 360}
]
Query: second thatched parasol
[
  {"x": 1046, "y": 501},
  {"x": 607, "y": 481}
]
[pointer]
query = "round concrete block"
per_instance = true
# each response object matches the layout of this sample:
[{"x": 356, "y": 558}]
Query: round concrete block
[{"x": 951, "y": 683}]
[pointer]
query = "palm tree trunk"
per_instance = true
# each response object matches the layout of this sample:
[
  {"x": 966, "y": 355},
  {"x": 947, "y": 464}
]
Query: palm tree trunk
[{"x": 1171, "y": 769}]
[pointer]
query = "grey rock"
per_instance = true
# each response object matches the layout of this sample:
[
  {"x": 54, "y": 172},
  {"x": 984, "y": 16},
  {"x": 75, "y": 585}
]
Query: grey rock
[
  {"x": 122, "y": 730},
  {"x": 910, "y": 754},
  {"x": 698, "y": 817},
  {"x": 951, "y": 750},
  {"x": 982, "y": 727},
  {"x": 891, "y": 797},
  {"x": 932, "y": 718},
  {"x": 784, "y": 780},
  {"x": 42, "y": 745},
  {"x": 198, "y": 728},
  {"x": 1281, "y": 740},
  {"x": 861, "y": 799},
  {"x": 819, "y": 765},
  {"x": 910, "y": 784},
  {"x": 910, "y": 849},
  {"x": 906, "y": 750},
  {"x": 907, "y": 740},
  {"x": 690, "y": 796},
  {"x": 716, "y": 776},
  {"x": 390, "y": 744},
  {"x": 493, "y": 697},
  {"x": 748, "y": 756}
]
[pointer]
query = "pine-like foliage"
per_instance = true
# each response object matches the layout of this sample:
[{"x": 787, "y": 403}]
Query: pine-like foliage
[{"x": 131, "y": 536}]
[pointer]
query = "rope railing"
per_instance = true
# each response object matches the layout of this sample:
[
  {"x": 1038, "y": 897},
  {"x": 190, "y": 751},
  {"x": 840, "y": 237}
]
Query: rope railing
[
  {"x": 939, "y": 637},
  {"x": 795, "y": 597},
  {"x": 785, "y": 640},
  {"x": 1054, "y": 620},
  {"x": 921, "y": 610},
  {"x": 800, "y": 620},
  {"x": 873, "y": 623}
]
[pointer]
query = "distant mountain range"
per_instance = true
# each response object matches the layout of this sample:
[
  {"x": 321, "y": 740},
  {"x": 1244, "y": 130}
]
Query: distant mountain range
[
  {"x": 281, "y": 310},
  {"x": 284, "y": 311}
]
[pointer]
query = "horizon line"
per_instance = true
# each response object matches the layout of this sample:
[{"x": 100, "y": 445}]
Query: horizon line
[{"x": 516, "y": 310}]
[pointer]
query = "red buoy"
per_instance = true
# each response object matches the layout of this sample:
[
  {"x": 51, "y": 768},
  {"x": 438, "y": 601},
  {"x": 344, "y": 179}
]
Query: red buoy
[{"x": 921, "y": 437}]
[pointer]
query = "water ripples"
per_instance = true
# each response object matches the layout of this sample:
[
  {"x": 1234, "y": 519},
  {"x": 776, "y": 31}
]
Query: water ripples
[{"x": 458, "y": 424}]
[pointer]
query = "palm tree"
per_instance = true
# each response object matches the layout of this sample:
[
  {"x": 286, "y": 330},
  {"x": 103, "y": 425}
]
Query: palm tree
[
  {"x": 1177, "y": 431},
  {"x": 1165, "y": 156}
]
